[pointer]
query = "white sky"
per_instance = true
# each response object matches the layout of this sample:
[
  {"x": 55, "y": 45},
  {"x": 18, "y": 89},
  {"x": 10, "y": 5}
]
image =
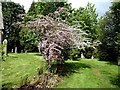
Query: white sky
[{"x": 101, "y": 5}]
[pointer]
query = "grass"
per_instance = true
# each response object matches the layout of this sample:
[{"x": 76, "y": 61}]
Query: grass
[
  {"x": 18, "y": 69},
  {"x": 91, "y": 74}
]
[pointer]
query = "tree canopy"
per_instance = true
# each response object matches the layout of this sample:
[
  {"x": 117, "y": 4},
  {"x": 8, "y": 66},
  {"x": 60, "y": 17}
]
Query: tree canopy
[
  {"x": 11, "y": 31},
  {"x": 110, "y": 29}
]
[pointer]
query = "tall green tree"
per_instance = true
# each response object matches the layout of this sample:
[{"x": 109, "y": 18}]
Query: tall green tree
[
  {"x": 89, "y": 17},
  {"x": 110, "y": 37},
  {"x": 11, "y": 31},
  {"x": 116, "y": 20},
  {"x": 44, "y": 8},
  {"x": 86, "y": 19}
]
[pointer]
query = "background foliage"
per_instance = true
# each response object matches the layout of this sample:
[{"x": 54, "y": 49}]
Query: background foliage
[
  {"x": 11, "y": 31},
  {"x": 28, "y": 40},
  {"x": 105, "y": 29},
  {"x": 110, "y": 31}
]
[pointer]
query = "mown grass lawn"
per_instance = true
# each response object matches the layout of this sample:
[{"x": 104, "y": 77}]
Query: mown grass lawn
[
  {"x": 84, "y": 73},
  {"x": 90, "y": 73},
  {"x": 18, "y": 69}
]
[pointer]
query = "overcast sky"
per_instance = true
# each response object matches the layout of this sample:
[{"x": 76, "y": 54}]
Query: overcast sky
[{"x": 101, "y": 5}]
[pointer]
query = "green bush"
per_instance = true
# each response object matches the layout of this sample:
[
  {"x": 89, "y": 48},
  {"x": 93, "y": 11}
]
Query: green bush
[
  {"x": 28, "y": 40},
  {"x": 88, "y": 52},
  {"x": 74, "y": 54},
  {"x": 2, "y": 56},
  {"x": 0, "y": 48},
  {"x": 107, "y": 54}
]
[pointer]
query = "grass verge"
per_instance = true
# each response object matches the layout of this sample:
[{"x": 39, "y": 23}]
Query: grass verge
[{"x": 19, "y": 69}]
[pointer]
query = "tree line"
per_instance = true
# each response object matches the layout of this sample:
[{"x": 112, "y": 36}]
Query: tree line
[{"x": 104, "y": 29}]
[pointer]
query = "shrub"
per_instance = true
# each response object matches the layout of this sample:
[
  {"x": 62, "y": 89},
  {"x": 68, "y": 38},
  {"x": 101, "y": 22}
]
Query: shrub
[
  {"x": 75, "y": 53},
  {"x": 88, "y": 52},
  {"x": 28, "y": 40},
  {"x": 57, "y": 38}
]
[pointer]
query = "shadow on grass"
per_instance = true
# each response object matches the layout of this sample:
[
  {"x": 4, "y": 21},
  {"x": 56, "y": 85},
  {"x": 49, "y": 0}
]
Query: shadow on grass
[
  {"x": 112, "y": 63},
  {"x": 39, "y": 54},
  {"x": 68, "y": 68},
  {"x": 13, "y": 57},
  {"x": 50, "y": 79},
  {"x": 116, "y": 81},
  {"x": 4, "y": 58},
  {"x": 6, "y": 85}
]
